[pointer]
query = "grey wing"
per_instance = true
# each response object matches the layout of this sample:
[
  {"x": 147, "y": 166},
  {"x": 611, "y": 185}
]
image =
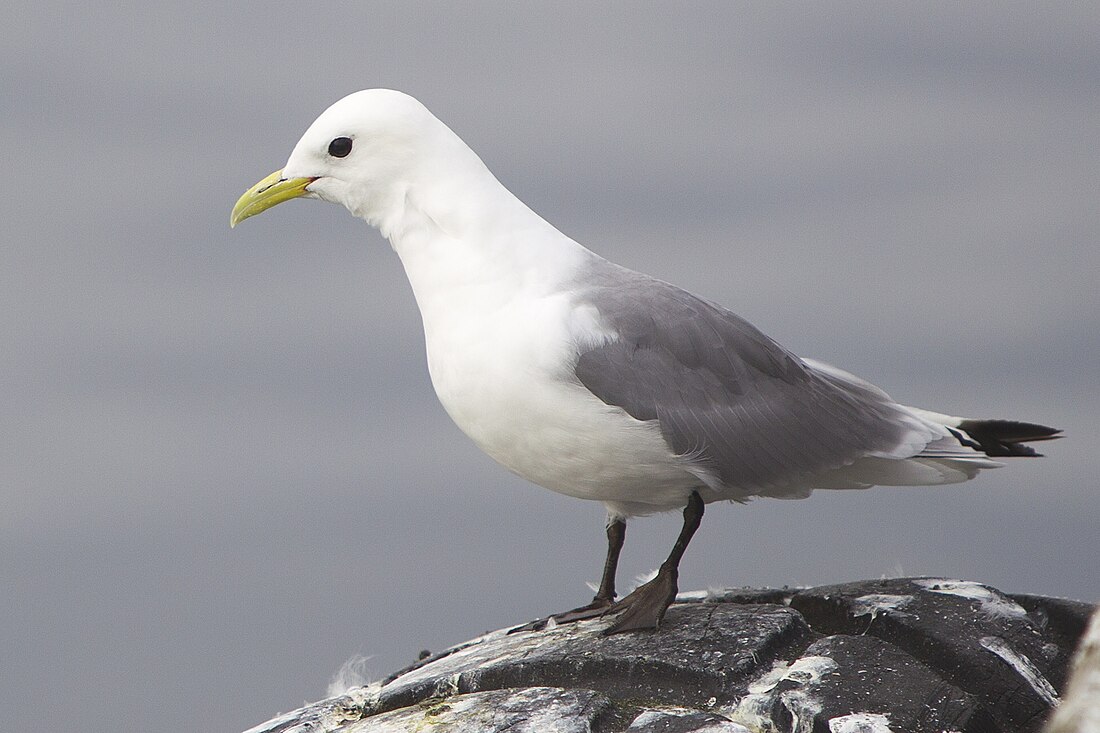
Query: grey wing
[{"x": 746, "y": 410}]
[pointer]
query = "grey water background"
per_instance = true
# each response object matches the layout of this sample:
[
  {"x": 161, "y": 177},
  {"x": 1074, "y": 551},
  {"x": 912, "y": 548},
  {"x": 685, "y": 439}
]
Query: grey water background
[{"x": 225, "y": 472}]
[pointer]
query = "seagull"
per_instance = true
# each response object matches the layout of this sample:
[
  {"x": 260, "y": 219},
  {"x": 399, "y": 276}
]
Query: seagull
[{"x": 596, "y": 381}]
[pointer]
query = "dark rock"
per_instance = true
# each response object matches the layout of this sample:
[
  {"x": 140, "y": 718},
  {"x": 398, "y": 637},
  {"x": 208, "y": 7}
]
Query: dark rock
[
  {"x": 899, "y": 655},
  {"x": 974, "y": 636},
  {"x": 845, "y": 677},
  {"x": 527, "y": 710},
  {"x": 1063, "y": 618},
  {"x": 747, "y": 596},
  {"x": 667, "y": 721},
  {"x": 705, "y": 653}
]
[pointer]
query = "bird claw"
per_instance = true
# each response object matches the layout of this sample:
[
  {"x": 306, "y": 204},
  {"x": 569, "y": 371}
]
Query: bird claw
[
  {"x": 644, "y": 608},
  {"x": 598, "y": 607},
  {"x": 641, "y": 610},
  {"x": 537, "y": 625}
]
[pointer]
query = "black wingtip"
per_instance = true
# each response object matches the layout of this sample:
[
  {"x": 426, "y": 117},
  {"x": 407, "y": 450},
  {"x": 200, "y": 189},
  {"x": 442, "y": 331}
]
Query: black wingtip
[{"x": 1005, "y": 438}]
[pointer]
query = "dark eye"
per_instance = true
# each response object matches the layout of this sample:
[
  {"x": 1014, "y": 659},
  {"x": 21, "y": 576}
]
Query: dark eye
[{"x": 340, "y": 147}]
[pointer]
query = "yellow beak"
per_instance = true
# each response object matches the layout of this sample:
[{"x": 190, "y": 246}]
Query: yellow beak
[{"x": 270, "y": 191}]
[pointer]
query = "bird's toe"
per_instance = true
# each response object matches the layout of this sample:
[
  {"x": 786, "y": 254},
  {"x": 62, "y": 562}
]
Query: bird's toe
[{"x": 645, "y": 607}]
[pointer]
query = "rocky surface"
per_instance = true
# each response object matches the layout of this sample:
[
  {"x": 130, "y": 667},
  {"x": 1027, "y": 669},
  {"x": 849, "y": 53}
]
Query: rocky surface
[
  {"x": 1080, "y": 708},
  {"x": 911, "y": 654}
]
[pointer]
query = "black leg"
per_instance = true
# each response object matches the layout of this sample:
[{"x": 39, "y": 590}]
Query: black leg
[
  {"x": 616, "y": 536},
  {"x": 605, "y": 596},
  {"x": 645, "y": 607}
]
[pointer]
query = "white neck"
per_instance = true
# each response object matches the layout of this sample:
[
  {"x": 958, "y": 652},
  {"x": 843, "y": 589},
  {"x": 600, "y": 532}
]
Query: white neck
[{"x": 465, "y": 240}]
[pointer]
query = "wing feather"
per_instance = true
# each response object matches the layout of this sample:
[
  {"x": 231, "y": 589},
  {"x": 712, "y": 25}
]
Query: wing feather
[{"x": 724, "y": 394}]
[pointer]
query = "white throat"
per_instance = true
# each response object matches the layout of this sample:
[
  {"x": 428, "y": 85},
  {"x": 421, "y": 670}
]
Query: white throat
[{"x": 466, "y": 242}]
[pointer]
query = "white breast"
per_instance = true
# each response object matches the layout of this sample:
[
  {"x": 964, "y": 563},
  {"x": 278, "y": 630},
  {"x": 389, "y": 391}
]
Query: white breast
[
  {"x": 505, "y": 378},
  {"x": 502, "y": 332}
]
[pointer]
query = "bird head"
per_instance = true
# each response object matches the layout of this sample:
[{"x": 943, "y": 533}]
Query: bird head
[{"x": 363, "y": 152}]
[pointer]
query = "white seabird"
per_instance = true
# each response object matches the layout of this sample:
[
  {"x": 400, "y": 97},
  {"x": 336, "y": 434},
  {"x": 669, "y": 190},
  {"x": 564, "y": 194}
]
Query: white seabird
[{"x": 596, "y": 381}]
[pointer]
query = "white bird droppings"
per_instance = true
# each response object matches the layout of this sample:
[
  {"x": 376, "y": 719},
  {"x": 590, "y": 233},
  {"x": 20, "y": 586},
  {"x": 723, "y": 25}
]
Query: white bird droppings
[
  {"x": 1023, "y": 667},
  {"x": 754, "y": 710},
  {"x": 993, "y": 603},
  {"x": 877, "y": 603},
  {"x": 860, "y": 723}
]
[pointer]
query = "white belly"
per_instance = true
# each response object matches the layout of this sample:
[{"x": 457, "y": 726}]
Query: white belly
[{"x": 505, "y": 379}]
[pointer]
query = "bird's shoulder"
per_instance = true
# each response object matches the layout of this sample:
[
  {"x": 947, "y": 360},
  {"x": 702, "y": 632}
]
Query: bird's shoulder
[{"x": 658, "y": 326}]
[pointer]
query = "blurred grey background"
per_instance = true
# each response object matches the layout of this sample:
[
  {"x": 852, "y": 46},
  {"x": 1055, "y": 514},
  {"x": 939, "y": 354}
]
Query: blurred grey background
[{"x": 225, "y": 472}]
